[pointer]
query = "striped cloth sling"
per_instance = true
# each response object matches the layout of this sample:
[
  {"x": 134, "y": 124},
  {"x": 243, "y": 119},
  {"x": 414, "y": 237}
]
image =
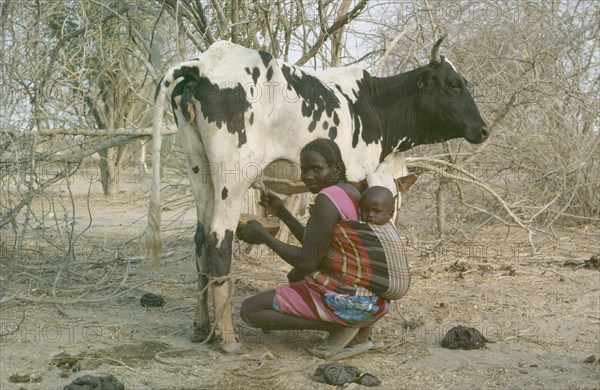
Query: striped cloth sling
[{"x": 365, "y": 259}]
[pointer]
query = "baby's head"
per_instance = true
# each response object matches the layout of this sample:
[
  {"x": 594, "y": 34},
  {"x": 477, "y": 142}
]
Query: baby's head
[{"x": 376, "y": 205}]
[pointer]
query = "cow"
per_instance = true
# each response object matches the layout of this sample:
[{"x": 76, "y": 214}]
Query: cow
[{"x": 237, "y": 110}]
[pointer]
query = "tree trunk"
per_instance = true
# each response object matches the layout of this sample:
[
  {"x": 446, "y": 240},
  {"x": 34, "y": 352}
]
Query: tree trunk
[
  {"x": 111, "y": 160},
  {"x": 440, "y": 200},
  {"x": 108, "y": 173},
  {"x": 336, "y": 37}
]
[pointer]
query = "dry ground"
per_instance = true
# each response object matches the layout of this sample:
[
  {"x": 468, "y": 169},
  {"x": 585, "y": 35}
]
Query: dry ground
[{"x": 543, "y": 317}]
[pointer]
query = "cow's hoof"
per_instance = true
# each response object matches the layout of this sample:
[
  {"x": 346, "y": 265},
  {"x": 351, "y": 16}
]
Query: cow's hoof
[{"x": 233, "y": 348}]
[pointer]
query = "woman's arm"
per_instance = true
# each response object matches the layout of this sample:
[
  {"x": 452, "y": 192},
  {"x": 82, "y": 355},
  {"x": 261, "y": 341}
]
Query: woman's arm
[
  {"x": 292, "y": 223},
  {"x": 275, "y": 206},
  {"x": 317, "y": 237}
]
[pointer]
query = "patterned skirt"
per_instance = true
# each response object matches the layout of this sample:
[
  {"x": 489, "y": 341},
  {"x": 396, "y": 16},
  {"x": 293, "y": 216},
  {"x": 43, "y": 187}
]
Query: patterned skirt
[{"x": 312, "y": 301}]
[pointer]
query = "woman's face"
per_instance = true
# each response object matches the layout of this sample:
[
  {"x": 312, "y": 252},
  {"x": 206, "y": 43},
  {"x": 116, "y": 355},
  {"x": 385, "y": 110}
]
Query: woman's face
[{"x": 316, "y": 173}]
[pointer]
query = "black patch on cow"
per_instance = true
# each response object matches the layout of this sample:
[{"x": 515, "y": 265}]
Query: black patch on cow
[
  {"x": 254, "y": 72},
  {"x": 196, "y": 169},
  {"x": 220, "y": 258},
  {"x": 224, "y": 193},
  {"x": 317, "y": 115},
  {"x": 316, "y": 97},
  {"x": 199, "y": 239},
  {"x": 265, "y": 57},
  {"x": 251, "y": 119},
  {"x": 269, "y": 73},
  {"x": 325, "y": 125},
  {"x": 187, "y": 72},
  {"x": 354, "y": 114},
  {"x": 371, "y": 130},
  {"x": 393, "y": 108},
  {"x": 355, "y": 119},
  {"x": 332, "y": 132},
  {"x": 336, "y": 119},
  {"x": 178, "y": 91},
  {"x": 222, "y": 106}
]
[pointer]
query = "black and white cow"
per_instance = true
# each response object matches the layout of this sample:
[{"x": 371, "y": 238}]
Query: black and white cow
[{"x": 238, "y": 109}]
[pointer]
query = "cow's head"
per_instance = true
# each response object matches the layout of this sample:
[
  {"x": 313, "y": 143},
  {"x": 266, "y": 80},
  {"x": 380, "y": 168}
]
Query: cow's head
[{"x": 444, "y": 105}]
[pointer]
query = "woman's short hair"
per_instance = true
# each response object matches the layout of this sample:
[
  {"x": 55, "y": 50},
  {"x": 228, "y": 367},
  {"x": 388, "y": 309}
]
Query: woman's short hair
[{"x": 330, "y": 152}]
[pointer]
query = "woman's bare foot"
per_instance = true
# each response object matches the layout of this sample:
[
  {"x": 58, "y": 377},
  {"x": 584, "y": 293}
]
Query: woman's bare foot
[
  {"x": 335, "y": 342},
  {"x": 363, "y": 335}
]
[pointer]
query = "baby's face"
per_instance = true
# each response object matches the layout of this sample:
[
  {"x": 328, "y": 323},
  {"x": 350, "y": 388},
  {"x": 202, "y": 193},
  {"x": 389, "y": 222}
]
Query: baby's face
[{"x": 375, "y": 210}]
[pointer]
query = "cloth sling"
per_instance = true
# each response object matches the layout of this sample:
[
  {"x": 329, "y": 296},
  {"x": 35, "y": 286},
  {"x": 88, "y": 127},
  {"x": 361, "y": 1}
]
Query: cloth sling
[{"x": 364, "y": 260}]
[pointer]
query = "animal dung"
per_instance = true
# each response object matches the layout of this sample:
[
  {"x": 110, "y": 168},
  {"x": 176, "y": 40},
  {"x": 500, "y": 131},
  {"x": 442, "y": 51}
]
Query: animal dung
[
  {"x": 462, "y": 337},
  {"x": 65, "y": 361},
  {"x": 338, "y": 375},
  {"x": 152, "y": 300},
  {"x": 590, "y": 359},
  {"x": 91, "y": 382},
  {"x": 25, "y": 378},
  {"x": 592, "y": 263},
  {"x": 368, "y": 380}
]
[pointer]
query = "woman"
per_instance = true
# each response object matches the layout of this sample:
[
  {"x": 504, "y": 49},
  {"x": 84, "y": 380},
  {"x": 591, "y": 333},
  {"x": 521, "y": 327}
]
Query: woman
[{"x": 306, "y": 303}]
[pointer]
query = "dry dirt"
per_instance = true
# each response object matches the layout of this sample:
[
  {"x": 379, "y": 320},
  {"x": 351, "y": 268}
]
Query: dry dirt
[{"x": 543, "y": 317}]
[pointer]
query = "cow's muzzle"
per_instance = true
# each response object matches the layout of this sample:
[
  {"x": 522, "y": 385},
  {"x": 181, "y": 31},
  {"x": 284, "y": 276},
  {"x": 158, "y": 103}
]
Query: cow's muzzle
[{"x": 478, "y": 136}]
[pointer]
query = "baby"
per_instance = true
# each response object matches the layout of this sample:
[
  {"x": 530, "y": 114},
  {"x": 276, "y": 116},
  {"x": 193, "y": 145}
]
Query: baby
[{"x": 376, "y": 205}]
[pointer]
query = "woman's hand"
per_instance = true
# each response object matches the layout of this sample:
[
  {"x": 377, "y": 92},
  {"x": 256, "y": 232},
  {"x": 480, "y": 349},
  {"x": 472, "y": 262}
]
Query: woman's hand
[
  {"x": 252, "y": 232},
  {"x": 272, "y": 203}
]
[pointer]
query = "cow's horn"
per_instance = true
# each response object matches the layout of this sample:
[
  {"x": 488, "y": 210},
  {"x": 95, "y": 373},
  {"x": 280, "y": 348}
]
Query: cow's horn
[{"x": 435, "y": 51}]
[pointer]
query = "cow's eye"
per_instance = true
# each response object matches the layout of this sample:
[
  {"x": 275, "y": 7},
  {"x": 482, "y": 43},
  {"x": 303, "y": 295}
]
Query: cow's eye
[{"x": 455, "y": 87}]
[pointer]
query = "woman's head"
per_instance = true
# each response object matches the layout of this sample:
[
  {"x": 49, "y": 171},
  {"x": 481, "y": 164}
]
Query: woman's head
[{"x": 321, "y": 164}]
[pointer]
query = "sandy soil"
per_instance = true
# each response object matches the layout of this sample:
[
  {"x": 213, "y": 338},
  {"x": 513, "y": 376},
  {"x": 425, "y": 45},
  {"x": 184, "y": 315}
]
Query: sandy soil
[{"x": 543, "y": 317}]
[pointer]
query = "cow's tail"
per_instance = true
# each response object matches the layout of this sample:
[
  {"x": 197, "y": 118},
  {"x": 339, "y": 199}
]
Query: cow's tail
[{"x": 154, "y": 244}]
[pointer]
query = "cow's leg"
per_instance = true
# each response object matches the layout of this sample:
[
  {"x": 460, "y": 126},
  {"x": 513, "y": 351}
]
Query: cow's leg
[
  {"x": 202, "y": 188},
  {"x": 201, "y": 327},
  {"x": 199, "y": 173},
  {"x": 224, "y": 317},
  {"x": 220, "y": 251},
  {"x": 229, "y": 192}
]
